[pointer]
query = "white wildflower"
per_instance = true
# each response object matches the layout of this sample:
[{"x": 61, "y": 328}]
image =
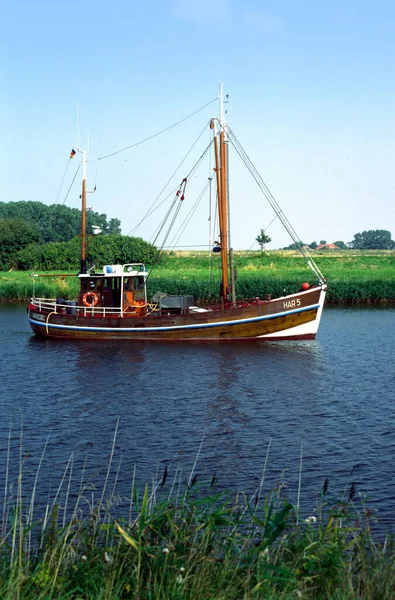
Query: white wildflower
[
  {"x": 182, "y": 569},
  {"x": 108, "y": 558},
  {"x": 84, "y": 557},
  {"x": 265, "y": 553},
  {"x": 179, "y": 579},
  {"x": 310, "y": 520},
  {"x": 165, "y": 550}
]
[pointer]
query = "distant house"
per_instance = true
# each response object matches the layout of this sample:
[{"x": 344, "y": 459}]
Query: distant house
[{"x": 327, "y": 247}]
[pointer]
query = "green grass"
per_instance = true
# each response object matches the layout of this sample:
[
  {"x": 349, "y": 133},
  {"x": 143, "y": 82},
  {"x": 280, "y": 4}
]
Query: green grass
[
  {"x": 181, "y": 540},
  {"x": 353, "y": 276}
]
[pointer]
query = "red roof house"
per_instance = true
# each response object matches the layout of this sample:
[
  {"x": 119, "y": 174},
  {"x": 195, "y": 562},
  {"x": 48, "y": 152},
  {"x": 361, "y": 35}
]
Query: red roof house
[{"x": 327, "y": 247}]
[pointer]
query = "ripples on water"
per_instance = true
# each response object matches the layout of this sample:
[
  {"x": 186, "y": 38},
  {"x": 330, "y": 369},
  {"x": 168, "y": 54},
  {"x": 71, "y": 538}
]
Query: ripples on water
[{"x": 333, "y": 395}]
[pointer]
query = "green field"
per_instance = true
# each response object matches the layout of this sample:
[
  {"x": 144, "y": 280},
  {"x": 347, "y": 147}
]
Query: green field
[{"x": 353, "y": 276}]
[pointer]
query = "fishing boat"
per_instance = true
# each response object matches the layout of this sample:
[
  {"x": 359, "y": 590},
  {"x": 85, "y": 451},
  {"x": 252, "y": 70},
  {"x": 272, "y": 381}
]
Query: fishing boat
[{"x": 113, "y": 303}]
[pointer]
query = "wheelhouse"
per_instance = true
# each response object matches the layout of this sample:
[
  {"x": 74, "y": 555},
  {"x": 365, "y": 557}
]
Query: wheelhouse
[{"x": 122, "y": 288}]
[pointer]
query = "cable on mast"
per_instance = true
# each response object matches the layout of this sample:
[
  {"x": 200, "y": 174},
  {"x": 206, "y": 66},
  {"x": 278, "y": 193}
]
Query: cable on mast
[{"x": 159, "y": 132}]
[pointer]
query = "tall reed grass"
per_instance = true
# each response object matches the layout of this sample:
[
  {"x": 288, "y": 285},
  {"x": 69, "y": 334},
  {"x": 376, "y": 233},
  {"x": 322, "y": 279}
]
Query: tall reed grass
[
  {"x": 177, "y": 539},
  {"x": 353, "y": 277}
]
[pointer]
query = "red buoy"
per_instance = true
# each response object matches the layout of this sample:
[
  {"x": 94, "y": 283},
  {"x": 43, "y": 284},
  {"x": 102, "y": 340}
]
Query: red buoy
[{"x": 305, "y": 286}]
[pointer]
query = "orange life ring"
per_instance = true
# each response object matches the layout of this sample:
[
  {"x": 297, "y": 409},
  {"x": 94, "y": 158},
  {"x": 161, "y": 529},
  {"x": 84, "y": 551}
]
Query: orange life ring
[{"x": 94, "y": 296}]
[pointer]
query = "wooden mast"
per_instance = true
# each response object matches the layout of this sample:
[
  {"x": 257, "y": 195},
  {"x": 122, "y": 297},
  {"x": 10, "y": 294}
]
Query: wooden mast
[
  {"x": 83, "y": 214},
  {"x": 223, "y": 199}
]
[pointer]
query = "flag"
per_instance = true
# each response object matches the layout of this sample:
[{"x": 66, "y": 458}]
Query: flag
[{"x": 72, "y": 153}]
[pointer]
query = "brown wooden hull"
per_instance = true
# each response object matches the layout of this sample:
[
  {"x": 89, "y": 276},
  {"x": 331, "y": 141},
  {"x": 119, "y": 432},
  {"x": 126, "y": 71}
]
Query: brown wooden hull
[{"x": 290, "y": 317}]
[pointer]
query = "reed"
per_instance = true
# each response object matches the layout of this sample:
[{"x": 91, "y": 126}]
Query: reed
[
  {"x": 353, "y": 277},
  {"x": 177, "y": 539}
]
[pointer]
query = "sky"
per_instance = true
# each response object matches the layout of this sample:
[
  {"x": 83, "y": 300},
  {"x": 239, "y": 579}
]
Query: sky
[{"x": 311, "y": 90}]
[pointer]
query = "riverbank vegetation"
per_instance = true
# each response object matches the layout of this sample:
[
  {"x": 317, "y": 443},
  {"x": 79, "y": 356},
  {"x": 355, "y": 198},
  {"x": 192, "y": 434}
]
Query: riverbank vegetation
[
  {"x": 28, "y": 227},
  {"x": 180, "y": 540},
  {"x": 354, "y": 277}
]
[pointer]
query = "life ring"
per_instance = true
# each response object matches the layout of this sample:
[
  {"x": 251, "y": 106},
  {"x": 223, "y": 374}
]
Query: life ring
[{"x": 95, "y": 299}]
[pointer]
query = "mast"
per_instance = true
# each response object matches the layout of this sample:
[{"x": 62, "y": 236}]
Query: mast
[
  {"x": 223, "y": 197},
  {"x": 83, "y": 214}
]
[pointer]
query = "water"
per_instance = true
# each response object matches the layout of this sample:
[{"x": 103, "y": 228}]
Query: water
[{"x": 330, "y": 400}]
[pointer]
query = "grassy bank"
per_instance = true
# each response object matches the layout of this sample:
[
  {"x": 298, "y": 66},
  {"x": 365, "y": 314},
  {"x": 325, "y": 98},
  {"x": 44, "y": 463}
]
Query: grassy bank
[
  {"x": 181, "y": 541},
  {"x": 353, "y": 276}
]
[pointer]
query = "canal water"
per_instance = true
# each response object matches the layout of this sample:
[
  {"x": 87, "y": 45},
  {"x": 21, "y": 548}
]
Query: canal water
[{"x": 324, "y": 408}]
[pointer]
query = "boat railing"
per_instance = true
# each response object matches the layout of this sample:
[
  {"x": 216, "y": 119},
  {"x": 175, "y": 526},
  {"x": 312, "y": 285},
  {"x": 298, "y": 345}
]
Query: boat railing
[
  {"x": 72, "y": 308},
  {"x": 51, "y": 305},
  {"x": 44, "y": 303}
]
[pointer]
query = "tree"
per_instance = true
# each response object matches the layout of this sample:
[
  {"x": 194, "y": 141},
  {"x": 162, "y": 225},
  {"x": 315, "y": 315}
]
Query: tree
[
  {"x": 114, "y": 227},
  {"x": 102, "y": 250},
  {"x": 263, "y": 239},
  {"x": 322, "y": 242},
  {"x": 373, "y": 239},
  {"x": 57, "y": 223},
  {"x": 294, "y": 246},
  {"x": 341, "y": 245},
  {"x": 15, "y": 234}
]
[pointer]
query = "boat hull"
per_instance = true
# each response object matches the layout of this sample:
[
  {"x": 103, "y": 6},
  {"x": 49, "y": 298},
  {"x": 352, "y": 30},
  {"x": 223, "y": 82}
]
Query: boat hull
[{"x": 291, "y": 317}]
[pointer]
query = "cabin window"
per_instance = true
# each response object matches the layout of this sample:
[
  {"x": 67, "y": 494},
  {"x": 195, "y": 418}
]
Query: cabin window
[{"x": 138, "y": 283}]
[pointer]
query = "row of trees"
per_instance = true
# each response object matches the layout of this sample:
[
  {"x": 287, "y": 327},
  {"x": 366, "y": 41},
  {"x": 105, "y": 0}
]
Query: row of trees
[
  {"x": 102, "y": 250},
  {"x": 36, "y": 236},
  {"x": 54, "y": 223},
  {"x": 373, "y": 239}
]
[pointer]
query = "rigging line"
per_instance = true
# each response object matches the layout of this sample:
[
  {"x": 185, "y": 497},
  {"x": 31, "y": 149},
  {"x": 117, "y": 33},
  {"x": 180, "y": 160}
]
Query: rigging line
[
  {"x": 164, "y": 200},
  {"x": 151, "y": 208},
  {"x": 159, "y": 132},
  {"x": 175, "y": 239},
  {"x": 150, "y": 212},
  {"x": 269, "y": 196},
  {"x": 71, "y": 185},
  {"x": 189, "y": 216},
  {"x": 63, "y": 178},
  {"x": 264, "y": 230},
  {"x": 253, "y": 171},
  {"x": 180, "y": 195},
  {"x": 171, "y": 225},
  {"x": 275, "y": 206},
  {"x": 169, "y": 248},
  {"x": 272, "y": 221},
  {"x": 160, "y": 227},
  {"x": 192, "y": 171},
  {"x": 165, "y": 239},
  {"x": 196, "y": 165}
]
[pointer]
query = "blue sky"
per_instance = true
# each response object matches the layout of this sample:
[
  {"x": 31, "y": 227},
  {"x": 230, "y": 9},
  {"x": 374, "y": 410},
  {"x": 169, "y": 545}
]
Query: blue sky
[{"x": 312, "y": 100}]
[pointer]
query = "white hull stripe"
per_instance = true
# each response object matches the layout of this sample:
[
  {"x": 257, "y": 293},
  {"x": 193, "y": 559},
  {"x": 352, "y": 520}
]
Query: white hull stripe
[{"x": 175, "y": 327}]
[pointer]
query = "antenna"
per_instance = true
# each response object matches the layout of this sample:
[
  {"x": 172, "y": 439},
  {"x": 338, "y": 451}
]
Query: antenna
[
  {"x": 78, "y": 125},
  {"x": 221, "y": 105},
  {"x": 222, "y": 111}
]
